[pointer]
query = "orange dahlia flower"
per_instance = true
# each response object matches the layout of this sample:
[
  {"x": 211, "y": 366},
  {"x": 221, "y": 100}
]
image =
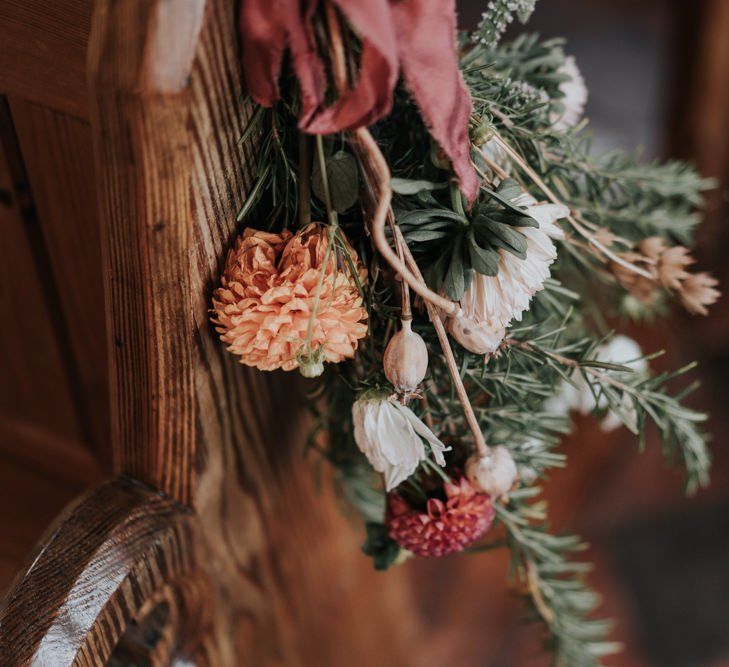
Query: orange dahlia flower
[{"x": 268, "y": 293}]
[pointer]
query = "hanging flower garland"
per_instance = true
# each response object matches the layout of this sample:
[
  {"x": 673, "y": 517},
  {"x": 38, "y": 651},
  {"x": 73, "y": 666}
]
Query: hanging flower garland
[{"x": 453, "y": 303}]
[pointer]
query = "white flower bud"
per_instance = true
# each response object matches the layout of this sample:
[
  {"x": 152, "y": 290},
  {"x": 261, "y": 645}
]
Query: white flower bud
[
  {"x": 476, "y": 337},
  {"x": 311, "y": 364},
  {"x": 406, "y": 359},
  {"x": 494, "y": 473}
]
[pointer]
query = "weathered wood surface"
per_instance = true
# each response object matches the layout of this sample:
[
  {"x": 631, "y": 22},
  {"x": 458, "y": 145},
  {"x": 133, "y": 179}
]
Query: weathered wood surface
[
  {"x": 43, "y": 52},
  {"x": 58, "y": 160},
  {"x": 281, "y": 579},
  {"x": 129, "y": 560}
]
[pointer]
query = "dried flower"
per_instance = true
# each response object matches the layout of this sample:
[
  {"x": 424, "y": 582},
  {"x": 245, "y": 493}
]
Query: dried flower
[
  {"x": 672, "y": 267},
  {"x": 476, "y": 336},
  {"x": 274, "y": 311},
  {"x": 406, "y": 359},
  {"x": 604, "y": 236},
  {"x": 652, "y": 247},
  {"x": 391, "y": 436},
  {"x": 492, "y": 302},
  {"x": 668, "y": 268},
  {"x": 444, "y": 527},
  {"x": 579, "y": 396},
  {"x": 574, "y": 98},
  {"x": 494, "y": 473},
  {"x": 698, "y": 291},
  {"x": 639, "y": 286}
]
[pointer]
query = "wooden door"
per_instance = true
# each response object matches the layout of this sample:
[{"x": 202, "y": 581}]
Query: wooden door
[{"x": 211, "y": 543}]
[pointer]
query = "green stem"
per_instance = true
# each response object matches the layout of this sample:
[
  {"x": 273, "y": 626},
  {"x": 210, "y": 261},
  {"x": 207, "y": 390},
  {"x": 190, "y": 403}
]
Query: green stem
[
  {"x": 456, "y": 200},
  {"x": 331, "y": 213},
  {"x": 333, "y": 225},
  {"x": 304, "y": 180}
]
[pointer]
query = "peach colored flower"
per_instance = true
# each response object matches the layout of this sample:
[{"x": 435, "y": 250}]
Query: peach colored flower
[
  {"x": 698, "y": 291},
  {"x": 268, "y": 292}
]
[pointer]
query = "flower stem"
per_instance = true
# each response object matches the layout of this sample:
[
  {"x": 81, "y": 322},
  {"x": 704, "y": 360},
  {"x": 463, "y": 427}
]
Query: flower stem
[
  {"x": 440, "y": 331},
  {"x": 304, "y": 180}
]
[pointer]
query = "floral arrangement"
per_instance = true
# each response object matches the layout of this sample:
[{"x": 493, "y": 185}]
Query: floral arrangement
[{"x": 431, "y": 236}]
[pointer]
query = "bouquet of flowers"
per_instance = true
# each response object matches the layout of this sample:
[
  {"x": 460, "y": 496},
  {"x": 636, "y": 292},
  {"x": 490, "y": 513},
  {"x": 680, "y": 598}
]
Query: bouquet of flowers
[{"x": 431, "y": 236}]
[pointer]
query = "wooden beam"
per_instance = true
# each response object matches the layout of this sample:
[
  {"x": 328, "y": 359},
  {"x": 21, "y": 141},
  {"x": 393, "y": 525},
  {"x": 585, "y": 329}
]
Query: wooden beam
[
  {"x": 58, "y": 161},
  {"x": 187, "y": 418},
  {"x": 43, "y": 54}
]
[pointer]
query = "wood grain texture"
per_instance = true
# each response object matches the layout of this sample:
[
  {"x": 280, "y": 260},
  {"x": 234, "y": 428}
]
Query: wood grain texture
[
  {"x": 58, "y": 159},
  {"x": 187, "y": 418},
  {"x": 30, "y": 498},
  {"x": 43, "y": 52},
  {"x": 34, "y": 384},
  {"x": 125, "y": 551}
]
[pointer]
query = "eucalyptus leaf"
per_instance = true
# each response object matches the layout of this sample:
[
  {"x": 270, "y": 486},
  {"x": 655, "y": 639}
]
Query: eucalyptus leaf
[
  {"x": 512, "y": 240},
  {"x": 507, "y": 203},
  {"x": 483, "y": 260},
  {"x": 425, "y": 235},
  {"x": 455, "y": 279},
  {"x": 420, "y": 216},
  {"x": 343, "y": 177}
]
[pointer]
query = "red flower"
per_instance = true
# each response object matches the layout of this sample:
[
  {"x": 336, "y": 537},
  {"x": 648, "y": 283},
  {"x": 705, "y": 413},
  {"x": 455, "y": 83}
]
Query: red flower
[
  {"x": 417, "y": 37},
  {"x": 445, "y": 527}
]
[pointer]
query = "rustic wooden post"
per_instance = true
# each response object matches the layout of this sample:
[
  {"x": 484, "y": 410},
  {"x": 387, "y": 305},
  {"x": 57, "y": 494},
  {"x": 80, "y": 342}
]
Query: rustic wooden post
[{"x": 214, "y": 540}]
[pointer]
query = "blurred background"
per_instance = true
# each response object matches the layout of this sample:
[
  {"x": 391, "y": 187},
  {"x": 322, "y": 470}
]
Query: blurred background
[{"x": 658, "y": 75}]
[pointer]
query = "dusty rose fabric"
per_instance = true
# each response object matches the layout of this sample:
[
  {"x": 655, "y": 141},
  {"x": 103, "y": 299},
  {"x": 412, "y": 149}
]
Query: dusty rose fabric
[
  {"x": 426, "y": 40},
  {"x": 415, "y": 35},
  {"x": 268, "y": 28}
]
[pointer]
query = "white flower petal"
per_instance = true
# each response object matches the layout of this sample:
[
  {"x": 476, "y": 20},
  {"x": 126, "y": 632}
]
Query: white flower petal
[
  {"x": 574, "y": 96},
  {"x": 391, "y": 436},
  {"x": 580, "y": 398},
  {"x": 436, "y": 446}
]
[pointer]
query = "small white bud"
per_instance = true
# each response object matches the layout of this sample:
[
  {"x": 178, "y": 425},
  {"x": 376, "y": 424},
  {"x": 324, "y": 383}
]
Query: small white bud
[
  {"x": 476, "y": 337},
  {"x": 494, "y": 473},
  {"x": 406, "y": 359},
  {"x": 311, "y": 364}
]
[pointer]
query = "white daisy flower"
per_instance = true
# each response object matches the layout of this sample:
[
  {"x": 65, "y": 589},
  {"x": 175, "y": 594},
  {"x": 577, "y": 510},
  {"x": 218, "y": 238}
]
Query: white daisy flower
[
  {"x": 391, "y": 436},
  {"x": 492, "y": 302},
  {"x": 575, "y": 96},
  {"x": 579, "y": 397}
]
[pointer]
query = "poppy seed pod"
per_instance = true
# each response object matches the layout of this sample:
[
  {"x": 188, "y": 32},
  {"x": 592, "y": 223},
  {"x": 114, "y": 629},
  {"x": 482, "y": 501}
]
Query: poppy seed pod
[
  {"x": 476, "y": 337},
  {"x": 406, "y": 359},
  {"x": 494, "y": 473}
]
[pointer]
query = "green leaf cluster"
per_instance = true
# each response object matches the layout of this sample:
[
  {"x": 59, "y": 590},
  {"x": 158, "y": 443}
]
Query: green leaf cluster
[
  {"x": 458, "y": 245},
  {"x": 515, "y": 89}
]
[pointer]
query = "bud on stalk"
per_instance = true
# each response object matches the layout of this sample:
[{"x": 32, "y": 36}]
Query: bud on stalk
[
  {"x": 476, "y": 337},
  {"x": 406, "y": 359},
  {"x": 494, "y": 473}
]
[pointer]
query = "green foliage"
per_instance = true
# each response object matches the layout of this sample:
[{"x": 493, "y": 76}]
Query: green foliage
[
  {"x": 379, "y": 546},
  {"x": 343, "y": 175},
  {"x": 458, "y": 244},
  {"x": 515, "y": 89},
  {"x": 497, "y": 17}
]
